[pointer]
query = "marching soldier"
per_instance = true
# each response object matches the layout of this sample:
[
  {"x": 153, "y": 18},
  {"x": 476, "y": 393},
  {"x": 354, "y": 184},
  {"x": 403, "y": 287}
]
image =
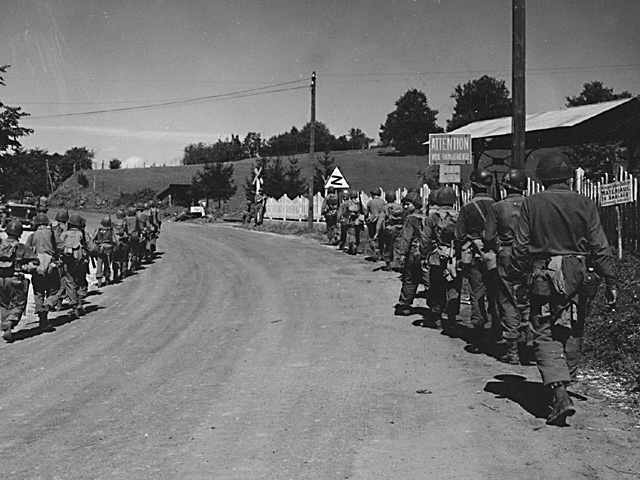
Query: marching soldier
[
  {"x": 559, "y": 242},
  {"x": 502, "y": 219},
  {"x": 408, "y": 251},
  {"x": 388, "y": 230},
  {"x": 372, "y": 212},
  {"x": 75, "y": 247},
  {"x": 133, "y": 232},
  {"x": 469, "y": 236},
  {"x": 106, "y": 243},
  {"x": 16, "y": 259},
  {"x": 343, "y": 219},
  {"x": 330, "y": 212},
  {"x": 439, "y": 249},
  {"x": 121, "y": 251},
  {"x": 46, "y": 278}
]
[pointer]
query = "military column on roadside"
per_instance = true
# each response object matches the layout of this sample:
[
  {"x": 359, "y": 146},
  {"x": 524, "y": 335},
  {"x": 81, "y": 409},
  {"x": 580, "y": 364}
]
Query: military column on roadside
[
  {"x": 58, "y": 255},
  {"x": 532, "y": 266}
]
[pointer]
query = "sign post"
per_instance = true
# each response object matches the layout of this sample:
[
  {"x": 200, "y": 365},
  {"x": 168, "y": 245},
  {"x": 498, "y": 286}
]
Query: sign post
[
  {"x": 450, "y": 150},
  {"x": 336, "y": 180},
  {"x": 617, "y": 193}
]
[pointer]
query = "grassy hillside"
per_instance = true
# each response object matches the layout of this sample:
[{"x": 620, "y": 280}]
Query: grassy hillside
[{"x": 363, "y": 169}]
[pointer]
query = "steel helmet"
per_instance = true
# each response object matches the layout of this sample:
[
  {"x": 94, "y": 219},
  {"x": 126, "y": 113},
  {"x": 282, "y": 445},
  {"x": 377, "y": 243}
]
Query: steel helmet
[
  {"x": 433, "y": 197},
  {"x": 331, "y": 190},
  {"x": 446, "y": 196},
  {"x": 481, "y": 178},
  {"x": 120, "y": 213},
  {"x": 75, "y": 220},
  {"x": 390, "y": 197},
  {"x": 106, "y": 222},
  {"x": 353, "y": 194},
  {"x": 62, "y": 217},
  {"x": 554, "y": 166},
  {"x": 14, "y": 229},
  {"x": 146, "y": 205},
  {"x": 515, "y": 180},
  {"x": 41, "y": 219},
  {"x": 413, "y": 198},
  {"x": 152, "y": 203},
  {"x": 131, "y": 212},
  {"x": 376, "y": 191},
  {"x": 138, "y": 206},
  {"x": 345, "y": 194}
]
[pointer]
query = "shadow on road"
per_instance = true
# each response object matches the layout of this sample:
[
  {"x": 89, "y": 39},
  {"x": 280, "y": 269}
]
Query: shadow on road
[{"x": 532, "y": 396}]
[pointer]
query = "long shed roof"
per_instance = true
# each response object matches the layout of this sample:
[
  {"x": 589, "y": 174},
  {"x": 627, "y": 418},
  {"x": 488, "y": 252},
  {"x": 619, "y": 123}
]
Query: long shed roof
[{"x": 600, "y": 122}]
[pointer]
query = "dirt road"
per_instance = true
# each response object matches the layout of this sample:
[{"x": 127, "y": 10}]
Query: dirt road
[{"x": 240, "y": 355}]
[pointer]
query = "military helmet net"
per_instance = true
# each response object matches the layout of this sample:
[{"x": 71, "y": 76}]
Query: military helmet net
[
  {"x": 75, "y": 220},
  {"x": 446, "y": 196},
  {"x": 390, "y": 197},
  {"x": 120, "y": 213},
  {"x": 106, "y": 222},
  {"x": 62, "y": 217}
]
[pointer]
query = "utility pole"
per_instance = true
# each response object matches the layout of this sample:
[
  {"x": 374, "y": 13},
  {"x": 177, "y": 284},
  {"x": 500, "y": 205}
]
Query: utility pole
[
  {"x": 312, "y": 142},
  {"x": 518, "y": 85}
]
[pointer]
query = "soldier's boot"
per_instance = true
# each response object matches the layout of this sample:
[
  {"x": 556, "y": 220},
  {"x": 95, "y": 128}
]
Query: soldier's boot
[
  {"x": 100, "y": 282},
  {"x": 7, "y": 336},
  {"x": 43, "y": 321},
  {"x": 403, "y": 310},
  {"x": 562, "y": 406},
  {"x": 448, "y": 324},
  {"x": 510, "y": 354}
]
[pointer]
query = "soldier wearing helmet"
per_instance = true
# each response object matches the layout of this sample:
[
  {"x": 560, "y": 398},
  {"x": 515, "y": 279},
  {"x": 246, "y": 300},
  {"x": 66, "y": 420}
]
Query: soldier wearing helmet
[
  {"x": 388, "y": 230},
  {"x": 437, "y": 246},
  {"x": 413, "y": 272},
  {"x": 343, "y": 218},
  {"x": 46, "y": 278},
  {"x": 59, "y": 226},
  {"x": 354, "y": 223},
  {"x": 502, "y": 219},
  {"x": 74, "y": 248},
  {"x": 107, "y": 243},
  {"x": 329, "y": 211},
  {"x": 133, "y": 233},
  {"x": 120, "y": 253},
  {"x": 15, "y": 260},
  {"x": 559, "y": 231},
  {"x": 372, "y": 212},
  {"x": 470, "y": 242}
]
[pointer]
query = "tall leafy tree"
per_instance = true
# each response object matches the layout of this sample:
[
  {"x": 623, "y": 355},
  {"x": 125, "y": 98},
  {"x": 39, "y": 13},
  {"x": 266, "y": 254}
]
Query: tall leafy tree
[
  {"x": 410, "y": 124},
  {"x": 10, "y": 129},
  {"x": 294, "y": 186},
  {"x": 215, "y": 182},
  {"x": 480, "y": 99},
  {"x": 599, "y": 158}
]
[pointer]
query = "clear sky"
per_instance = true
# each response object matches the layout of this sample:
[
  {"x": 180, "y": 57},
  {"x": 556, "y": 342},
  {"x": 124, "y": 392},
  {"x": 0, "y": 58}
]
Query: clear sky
[{"x": 70, "y": 56}]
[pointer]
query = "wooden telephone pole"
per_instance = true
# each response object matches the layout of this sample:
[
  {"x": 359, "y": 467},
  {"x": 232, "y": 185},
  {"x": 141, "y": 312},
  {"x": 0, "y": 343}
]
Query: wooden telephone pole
[
  {"x": 518, "y": 85},
  {"x": 312, "y": 141}
]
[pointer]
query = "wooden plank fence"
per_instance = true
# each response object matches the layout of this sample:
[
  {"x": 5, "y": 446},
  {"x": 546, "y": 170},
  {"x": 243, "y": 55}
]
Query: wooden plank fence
[{"x": 297, "y": 209}]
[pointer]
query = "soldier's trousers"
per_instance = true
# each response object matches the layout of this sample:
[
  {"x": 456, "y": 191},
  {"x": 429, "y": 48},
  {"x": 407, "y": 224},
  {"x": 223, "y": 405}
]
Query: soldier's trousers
[
  {"x": 46, "y": 290},
  {"x": 103, "y": 265},
  {"x": 481, "y": 290},
  {"x": 558, "y": 325},
  {"x": 13, "y": 300},
  {"x": 332, "y": 228},
  {"x": 413, "y": 274},
  {"x": 514, "y": 314},
  {"x": 388, "y": 236},
  {"x": 75, "y": 279},
  {"x": 444, "y": 295}
]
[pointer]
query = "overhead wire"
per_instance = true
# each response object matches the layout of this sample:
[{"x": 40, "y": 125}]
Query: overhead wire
[{"x": 178, "y": 103}]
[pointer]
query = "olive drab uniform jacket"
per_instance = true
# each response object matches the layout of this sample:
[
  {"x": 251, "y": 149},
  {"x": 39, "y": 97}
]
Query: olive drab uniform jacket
[{"x": 573, "y": 229}]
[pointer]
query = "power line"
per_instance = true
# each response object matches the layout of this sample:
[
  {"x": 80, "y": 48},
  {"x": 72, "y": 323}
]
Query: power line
[{"x": 179, "y": 103}]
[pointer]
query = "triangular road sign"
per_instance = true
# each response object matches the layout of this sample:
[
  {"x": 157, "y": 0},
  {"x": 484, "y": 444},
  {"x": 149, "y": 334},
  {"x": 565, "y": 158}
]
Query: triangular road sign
[{"x": 336, "y": 180}]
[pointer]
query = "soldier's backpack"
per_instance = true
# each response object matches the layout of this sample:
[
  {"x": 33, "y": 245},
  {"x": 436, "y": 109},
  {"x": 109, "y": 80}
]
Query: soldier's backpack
[
  {"x": 119, "y": 228},
  {"x": 8, "y": 257},
  {"x": 396, "y": 215},
  {"x": 104, "y": 235},
  {"x": 74, "y": 246},
  {"x": 445, "y": 233}
]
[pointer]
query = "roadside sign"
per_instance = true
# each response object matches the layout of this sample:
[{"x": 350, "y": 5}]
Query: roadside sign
[
  {"x": 450, "y": 148},
  {"x": 616, "y": 193},
  {"x": 449, "y": 174},
  {"x": 336, "y": 180}
]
